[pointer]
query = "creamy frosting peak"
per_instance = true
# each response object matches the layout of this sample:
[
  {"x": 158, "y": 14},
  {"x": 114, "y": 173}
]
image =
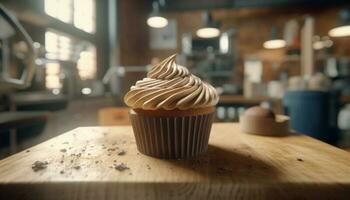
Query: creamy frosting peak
[
  {"x": 171, "y": 86},
  {"x": 168, "y": 69}
]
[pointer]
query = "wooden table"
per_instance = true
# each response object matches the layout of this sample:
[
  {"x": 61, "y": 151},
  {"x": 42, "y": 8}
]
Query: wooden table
[{"x": 81, "y": 165}]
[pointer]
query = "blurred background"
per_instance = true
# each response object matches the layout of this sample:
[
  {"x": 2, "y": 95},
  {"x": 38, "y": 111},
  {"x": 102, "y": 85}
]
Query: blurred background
[{"x": 68, "y": 63}]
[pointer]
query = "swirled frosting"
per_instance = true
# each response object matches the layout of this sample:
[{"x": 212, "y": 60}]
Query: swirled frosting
[{"x": 171, "y": 86}]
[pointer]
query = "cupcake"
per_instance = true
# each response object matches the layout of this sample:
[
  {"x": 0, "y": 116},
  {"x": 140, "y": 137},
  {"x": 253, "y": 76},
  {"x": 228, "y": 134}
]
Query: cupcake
[{"x": 171, "y": 112}]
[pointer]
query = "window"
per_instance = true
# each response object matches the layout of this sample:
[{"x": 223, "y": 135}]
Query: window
[
  {"x": 58, "y": 45},
  {"x": 52, "y": 80},
  {"x": 60, "y": 9},
  {"x": 87, "y": 63},
  {"x": 80, "y": 13},
  {"x": 84, "y": 15}
]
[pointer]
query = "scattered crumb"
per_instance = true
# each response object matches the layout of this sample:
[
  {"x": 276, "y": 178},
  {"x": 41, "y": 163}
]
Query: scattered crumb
[
  {"x": 61, "y": 161},
  {"x": 27, "y": 151},
  {"x": 111, "y": 149},
  {"x": 89, "y": 154},
  {"x": 148, "y": 167},
  {"x": 71, "y": 161},
  {"x": 96, "y": 161},
  {"x": 114, "y": 160},
  {"x": 130, "y": 173},
  {"x": 299, "y": 159},
  {"x": 121, "y": 153},
  {"x": 65, "y": 143},
  {"x": 109, "y": 154},
  {"x": 121, "y": 167},
  {"x": 77, "y": 167},
  {"x": 63, "y": 150},
  {"x": 61, "y": 172},
  {"x": 39, "y": 165}
]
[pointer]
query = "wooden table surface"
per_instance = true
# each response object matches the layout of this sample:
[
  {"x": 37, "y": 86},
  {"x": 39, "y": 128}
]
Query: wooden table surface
[{"x": 81, "y": 164}]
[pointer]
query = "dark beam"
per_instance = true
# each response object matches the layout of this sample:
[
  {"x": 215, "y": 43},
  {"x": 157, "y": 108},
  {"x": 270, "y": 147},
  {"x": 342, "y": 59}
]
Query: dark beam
[{"x": 186, "y": 5}]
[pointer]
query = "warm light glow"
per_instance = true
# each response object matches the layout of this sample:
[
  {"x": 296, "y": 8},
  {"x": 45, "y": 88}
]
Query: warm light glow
[
  {"x": 86, "y": 91},
  {"x": 84, "y": 15},
  {"x": 318, "y": 45},
  {"x": 208, "y": 32},
  {"x": 57, "y": 45},
  {"x": 340, "y": 31},
  {"x": 87, "y": 63},
  {"x": 60, "y": 9},
  {"x": 274, "y": 44},
  {"x": 80, "y": 13},
  {"x": 224, "y": 43},
  {"x": 52, "y": 68},
  {"x": 52, "y": 80},
  {"x": 157, "y": 22},
  {"x": 322, "y": 44},
  {"x": 56, "y": 91}
]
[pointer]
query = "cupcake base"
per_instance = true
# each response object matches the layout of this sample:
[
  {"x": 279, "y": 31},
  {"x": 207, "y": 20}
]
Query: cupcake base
[{"x": 175, "y": 134}]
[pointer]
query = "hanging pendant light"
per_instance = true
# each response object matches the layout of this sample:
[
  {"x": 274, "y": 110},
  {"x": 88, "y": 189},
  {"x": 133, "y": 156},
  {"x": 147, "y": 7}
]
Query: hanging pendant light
[
  {"x": 343, "y": 29},
  {"x": 155, "y": 20},
  {"x": 210, "y": 28},
  {"x": 274, "y": 42}
]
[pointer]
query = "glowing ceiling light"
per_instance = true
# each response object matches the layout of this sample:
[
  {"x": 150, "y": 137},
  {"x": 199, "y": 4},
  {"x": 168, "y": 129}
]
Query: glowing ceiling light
[
  {"x": 340, "y": 31},
  {"x": 210, "y": 28},
  {"x": 274, "y": 44},
  {"x": 343, "y": 28},
  {"x": 157, "y": 22},
  {"x": 208, "y": 32}
]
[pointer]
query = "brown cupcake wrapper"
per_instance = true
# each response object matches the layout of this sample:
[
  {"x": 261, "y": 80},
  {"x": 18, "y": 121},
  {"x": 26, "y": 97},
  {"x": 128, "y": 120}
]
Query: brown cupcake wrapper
[{"x": 172, "y": 137}]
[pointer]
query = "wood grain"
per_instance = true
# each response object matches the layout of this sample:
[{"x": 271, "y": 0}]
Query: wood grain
[
  {"x": 112, "y": 116},
  {"x": 236, "y": 166}
]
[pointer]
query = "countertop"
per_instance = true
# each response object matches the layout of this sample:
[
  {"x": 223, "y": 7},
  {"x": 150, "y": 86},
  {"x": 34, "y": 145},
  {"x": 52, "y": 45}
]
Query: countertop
[{"x": 103, "y": 163}]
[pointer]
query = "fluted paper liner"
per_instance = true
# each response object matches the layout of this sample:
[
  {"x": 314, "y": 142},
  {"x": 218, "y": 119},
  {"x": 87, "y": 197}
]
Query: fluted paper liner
[{"x": 172, "y": 137}]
